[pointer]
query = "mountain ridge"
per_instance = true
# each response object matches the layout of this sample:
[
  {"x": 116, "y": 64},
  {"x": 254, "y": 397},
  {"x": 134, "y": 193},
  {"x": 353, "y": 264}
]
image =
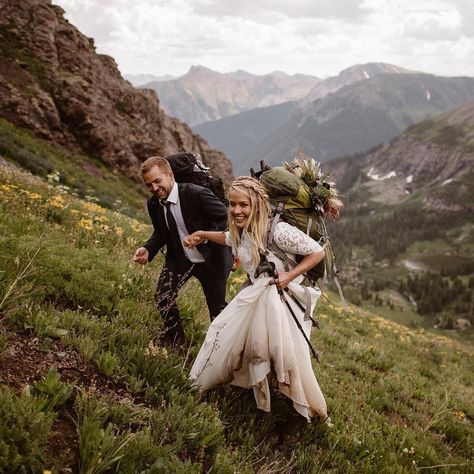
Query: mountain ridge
[
  {"x": 359, "y": 116},
  {"x": 203, "y": 95}
]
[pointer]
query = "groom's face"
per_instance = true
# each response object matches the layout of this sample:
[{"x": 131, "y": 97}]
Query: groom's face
[{"x": 159, "y": 182}]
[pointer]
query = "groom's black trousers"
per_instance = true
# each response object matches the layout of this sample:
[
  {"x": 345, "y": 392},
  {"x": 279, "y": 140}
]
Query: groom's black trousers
[{"x": 171, "y": 280}]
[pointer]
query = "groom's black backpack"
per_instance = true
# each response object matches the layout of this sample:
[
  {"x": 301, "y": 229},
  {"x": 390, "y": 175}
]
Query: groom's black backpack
[{"x": 188, "y": 168}]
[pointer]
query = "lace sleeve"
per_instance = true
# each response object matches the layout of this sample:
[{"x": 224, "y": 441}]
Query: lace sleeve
[
  {"x": 294, "y": 241},
  {"x": 227, "y": 239}
]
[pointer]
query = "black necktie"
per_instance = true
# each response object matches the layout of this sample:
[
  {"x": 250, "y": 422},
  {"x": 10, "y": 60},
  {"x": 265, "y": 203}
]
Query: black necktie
[{"x": 175, "y": 239}]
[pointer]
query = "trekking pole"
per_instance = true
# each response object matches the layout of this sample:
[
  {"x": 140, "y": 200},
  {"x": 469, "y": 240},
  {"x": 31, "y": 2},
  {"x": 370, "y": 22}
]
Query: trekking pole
[
  {"x": 283, "y": 297},
  {"x": 269, "y": 267}
]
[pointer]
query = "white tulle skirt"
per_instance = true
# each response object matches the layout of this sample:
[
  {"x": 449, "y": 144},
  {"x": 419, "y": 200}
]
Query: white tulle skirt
[{"x": 256, "y": 334}]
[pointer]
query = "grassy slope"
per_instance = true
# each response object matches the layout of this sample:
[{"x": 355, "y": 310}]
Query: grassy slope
[
  {"x": 81, "y": 175},
  {"x": 401, "y": 399}
]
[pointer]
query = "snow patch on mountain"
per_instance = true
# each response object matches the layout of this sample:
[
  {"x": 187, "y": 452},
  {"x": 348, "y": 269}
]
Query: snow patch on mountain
[{"x": 376, "y": 177}]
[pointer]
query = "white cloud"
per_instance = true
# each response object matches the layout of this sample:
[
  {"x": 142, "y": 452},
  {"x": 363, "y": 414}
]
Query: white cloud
[
  {"x": 344, "y": 9},
  {"x": 319, "y": 37}
]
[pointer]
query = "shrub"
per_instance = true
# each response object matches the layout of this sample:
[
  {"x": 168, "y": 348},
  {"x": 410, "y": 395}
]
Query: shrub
[{"x": 24, "y": 432}]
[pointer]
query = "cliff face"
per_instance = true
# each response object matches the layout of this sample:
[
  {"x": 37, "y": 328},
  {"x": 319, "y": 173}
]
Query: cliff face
[{"x": 54, "y": 83}]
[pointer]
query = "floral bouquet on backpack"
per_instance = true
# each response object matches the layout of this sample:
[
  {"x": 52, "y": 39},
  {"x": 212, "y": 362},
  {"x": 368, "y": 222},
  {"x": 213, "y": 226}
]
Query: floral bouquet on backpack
[{"x": 323, "y": 192}]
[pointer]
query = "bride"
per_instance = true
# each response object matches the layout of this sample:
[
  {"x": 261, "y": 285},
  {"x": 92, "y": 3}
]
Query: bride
[{"x": 256, "y": 333}]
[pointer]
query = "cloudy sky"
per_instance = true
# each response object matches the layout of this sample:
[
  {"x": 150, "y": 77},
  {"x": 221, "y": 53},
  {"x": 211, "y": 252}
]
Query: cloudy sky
[{"x": 319, "y": 37}]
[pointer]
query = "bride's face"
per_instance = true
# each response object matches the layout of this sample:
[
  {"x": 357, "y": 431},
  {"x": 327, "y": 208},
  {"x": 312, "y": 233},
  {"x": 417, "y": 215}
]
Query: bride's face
[{"x": 240, "y": 208}]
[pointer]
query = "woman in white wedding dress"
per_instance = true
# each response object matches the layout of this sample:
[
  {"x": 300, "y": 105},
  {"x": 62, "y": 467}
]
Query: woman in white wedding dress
[{"x": 256, "y": 333}]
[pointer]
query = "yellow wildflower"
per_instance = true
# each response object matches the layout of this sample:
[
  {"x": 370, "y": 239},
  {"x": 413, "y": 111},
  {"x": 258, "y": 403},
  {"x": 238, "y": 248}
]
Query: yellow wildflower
[
  {"x": 86, "y": 224},
  {"x": 7, "y": 187},
  {"x": 119, "y": 231},
  {"x": 459, "y": 415},
  {"x": 92, "y": 207},
  {"x": 34, "y": 196},
  {"x": 57, "y": 201}
]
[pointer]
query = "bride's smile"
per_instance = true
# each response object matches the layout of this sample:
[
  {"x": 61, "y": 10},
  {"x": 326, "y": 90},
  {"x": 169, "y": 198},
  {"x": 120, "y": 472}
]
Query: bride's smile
[{"x": 239, "y": 208}]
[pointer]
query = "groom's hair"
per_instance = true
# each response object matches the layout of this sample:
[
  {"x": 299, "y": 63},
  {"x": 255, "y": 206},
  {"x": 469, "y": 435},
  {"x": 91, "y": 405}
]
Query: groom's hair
[{"x": 159, "y": 161}]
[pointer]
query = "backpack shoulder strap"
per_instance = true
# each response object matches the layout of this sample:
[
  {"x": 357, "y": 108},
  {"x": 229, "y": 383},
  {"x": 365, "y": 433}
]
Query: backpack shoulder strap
[
  {"x": 276, "y": 214},
  {"x": 271, "y": 245}
]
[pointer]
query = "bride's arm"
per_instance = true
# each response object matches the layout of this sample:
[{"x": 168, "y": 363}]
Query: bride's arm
[
  {"x": 309, "y": 261},
  {"x": 201, "y": 236}
]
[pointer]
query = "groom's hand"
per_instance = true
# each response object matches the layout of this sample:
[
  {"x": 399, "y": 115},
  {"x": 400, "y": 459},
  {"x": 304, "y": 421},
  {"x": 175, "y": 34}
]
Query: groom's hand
[
  {"x": 192, "y": 240},
  {"x": 141, "y": 256}
]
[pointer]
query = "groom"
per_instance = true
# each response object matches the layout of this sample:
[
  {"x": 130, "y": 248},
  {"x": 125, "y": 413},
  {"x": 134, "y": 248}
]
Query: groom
[{"x": 177, "y": 210}]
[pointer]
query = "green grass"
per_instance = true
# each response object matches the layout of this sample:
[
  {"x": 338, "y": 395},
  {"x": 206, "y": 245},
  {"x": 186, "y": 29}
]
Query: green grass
[
  {"x": 401, "y": 398},
  {"x": 81, "y": 175}
]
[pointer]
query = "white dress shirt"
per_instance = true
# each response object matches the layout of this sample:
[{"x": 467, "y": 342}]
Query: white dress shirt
[{"x": 192, "y": 254}]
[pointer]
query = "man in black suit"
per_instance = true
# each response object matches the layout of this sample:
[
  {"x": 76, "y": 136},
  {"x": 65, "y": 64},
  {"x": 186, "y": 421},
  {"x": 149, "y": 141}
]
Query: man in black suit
[{"x": 177, "y": 210}]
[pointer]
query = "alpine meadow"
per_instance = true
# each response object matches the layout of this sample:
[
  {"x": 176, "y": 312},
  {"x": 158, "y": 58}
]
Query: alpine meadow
[{"x": 87, "y": 383}]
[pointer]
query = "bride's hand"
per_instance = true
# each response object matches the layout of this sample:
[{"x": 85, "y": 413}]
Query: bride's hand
[
  {"x": 284, "y": 279},
  {"x": 193, "y": 240}
]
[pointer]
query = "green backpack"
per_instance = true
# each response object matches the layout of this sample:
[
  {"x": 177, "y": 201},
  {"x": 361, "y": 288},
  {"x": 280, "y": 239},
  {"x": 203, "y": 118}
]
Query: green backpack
[{"x": 301, "y": 206}]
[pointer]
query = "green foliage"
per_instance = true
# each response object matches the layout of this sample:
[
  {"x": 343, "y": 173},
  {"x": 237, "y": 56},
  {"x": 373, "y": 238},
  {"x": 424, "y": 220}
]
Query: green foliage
[
  {"x": 396, "y": 394},
  {"x": 45, "y": 322},
  {"x": 390, "y": 234},
  {"x": 434, "y": 294},
  {"x": 24, "y": 432},
  {"x": 51, "y": 392},
  {"x": 100, "y": 448}
]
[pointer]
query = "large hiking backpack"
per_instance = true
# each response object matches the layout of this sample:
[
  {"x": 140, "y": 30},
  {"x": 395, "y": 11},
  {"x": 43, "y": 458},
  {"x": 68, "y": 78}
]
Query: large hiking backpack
[
  {"x": 302, "y": 196},
  {"x": 188, "y": 168}
]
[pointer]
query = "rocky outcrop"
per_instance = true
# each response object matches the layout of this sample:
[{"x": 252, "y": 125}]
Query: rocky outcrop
[
  {"x": 435, "y": 156},
  {"x": 54, "y": 83},
  {"x": 424, "y": 162}
]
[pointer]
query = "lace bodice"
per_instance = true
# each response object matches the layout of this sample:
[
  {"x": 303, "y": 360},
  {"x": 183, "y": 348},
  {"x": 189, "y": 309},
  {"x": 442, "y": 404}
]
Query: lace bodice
[{"x": 290, "y": 239}]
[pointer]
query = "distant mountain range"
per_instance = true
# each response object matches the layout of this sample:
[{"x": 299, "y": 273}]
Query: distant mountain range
[
  {"x": 239, "y": 135},
  {"x": 204, "y": 95},
  {"x": 351, "y": 119},
  {"x": 361, "y": 115},
  {"x": 140, "y": 79},
  {"x": 349, "y": 76}
]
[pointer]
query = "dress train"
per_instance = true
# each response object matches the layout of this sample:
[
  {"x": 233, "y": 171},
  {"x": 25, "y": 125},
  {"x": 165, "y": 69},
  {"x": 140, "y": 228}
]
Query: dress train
[{"x": 256, "y": 334}]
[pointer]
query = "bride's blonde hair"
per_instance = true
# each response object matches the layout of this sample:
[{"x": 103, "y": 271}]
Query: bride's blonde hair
[{"x": 257, "y": 222}]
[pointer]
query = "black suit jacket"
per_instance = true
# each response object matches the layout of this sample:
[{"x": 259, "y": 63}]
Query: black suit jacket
[{"x": 201, "y": 210}]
